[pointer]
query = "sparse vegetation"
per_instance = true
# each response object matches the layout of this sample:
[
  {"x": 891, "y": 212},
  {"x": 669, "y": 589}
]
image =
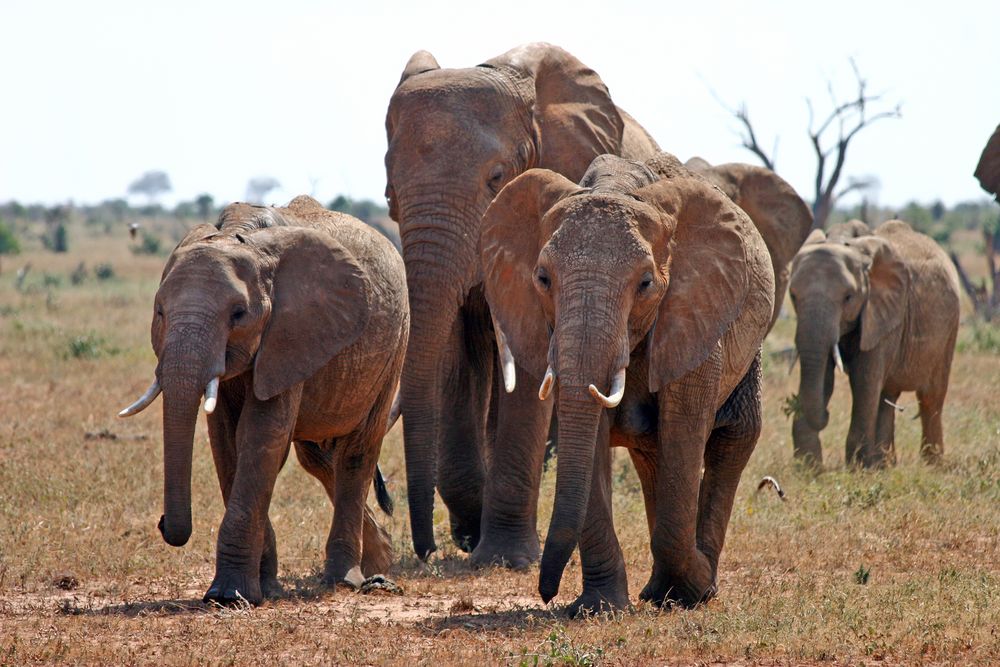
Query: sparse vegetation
[{"x": 86, "y": 579}]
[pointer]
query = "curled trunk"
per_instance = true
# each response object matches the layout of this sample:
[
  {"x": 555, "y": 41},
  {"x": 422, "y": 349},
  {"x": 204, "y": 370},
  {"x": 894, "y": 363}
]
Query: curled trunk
[{"x": 815, "y": 337}]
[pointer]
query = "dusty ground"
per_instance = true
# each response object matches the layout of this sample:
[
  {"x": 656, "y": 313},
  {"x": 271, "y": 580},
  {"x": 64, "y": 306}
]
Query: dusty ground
[{"x": 899, "y": 566}]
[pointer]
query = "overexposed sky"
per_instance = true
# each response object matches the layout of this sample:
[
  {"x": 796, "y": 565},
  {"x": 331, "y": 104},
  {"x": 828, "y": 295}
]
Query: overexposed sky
[{"x": 92, "y": 94}]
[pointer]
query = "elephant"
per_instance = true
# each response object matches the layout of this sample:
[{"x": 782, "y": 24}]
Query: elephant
[
  {"x": 294, "y": 323},
  {"x": 884, "y": 308},
  {"x": 646, "y": 279},
  {"x": 455, "y": 138},
  {"x": 782, "y": 218},
  {"x": 988, "y": 169}
]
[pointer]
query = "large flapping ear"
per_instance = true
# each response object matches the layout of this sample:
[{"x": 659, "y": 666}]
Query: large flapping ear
[
  {"x": 709, "y": 275},
  {"x": 512, "y": 235},
  {"x": 319, "y": 306},
  {"x": 888, "y": 282},
  {"x": 419, "y": 62},
  {"x": 988, "y": 169},
  {"x": 574, "y": 116}
]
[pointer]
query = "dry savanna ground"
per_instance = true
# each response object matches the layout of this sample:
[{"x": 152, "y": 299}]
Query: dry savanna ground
[{"x": 895, "y": 566}]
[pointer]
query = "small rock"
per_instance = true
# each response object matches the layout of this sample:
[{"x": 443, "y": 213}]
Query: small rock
[{"x": 379, "y": 584}]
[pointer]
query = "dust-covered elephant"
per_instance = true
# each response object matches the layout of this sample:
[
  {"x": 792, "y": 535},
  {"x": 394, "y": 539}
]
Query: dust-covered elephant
[
  {"x": 884, "y": 308},
  {"x": 293, "y": 323},
  {"x": 641, "y": 295},
  {"x": 455, "y": 138}
]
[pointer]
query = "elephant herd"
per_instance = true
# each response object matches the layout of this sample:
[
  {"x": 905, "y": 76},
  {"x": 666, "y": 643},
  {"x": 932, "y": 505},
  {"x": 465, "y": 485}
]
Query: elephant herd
[{"x": 559, "y": 273}]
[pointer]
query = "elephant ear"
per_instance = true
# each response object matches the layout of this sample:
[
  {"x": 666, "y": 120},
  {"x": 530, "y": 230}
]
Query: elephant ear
[
  {"x": 575, "y": 118},
  {"x": 709, "y": 273},
  {"x": 512, "y": 235},
  {"x": 419, "y": 62},
  {"x": 988, "y": 169},
  {"x": 815, "y": 236},
  {"x": 319, "y": 306},
  {"x": 888, "y": 282}
]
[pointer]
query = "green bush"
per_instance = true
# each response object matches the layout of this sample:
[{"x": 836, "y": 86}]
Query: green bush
[
  {"x": 150, "y": 245},
  {"x": 104, "y": 271},
  {"x": 89, "y": 346},
  {"x": 8, "y": 242},
  {"x": 980, "y": 337}
]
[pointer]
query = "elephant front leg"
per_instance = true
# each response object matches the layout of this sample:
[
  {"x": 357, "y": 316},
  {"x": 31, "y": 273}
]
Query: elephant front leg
[
  {"x": 605, "y": 584},
  {"x": 262, "y": 442},
  {"x": 681, "y": 571},
  {"x": 866, "y": 392},
  {"x": 932, "y": 435},
  {"x": 509, "y": 534}
]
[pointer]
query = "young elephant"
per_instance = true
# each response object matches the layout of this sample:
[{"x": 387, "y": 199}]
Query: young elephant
[
  {"x": 651, "y": 281},
  {"x": 884, "y": 307},
  {"x": 293, "y": 322}
]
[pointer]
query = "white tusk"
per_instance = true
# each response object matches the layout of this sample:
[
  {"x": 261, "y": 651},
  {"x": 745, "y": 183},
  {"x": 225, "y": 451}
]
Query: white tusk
[
  {"x": 894, "y": 405},
  {"x": 546, "y": 387},
  {"x": 791, "y": 366},
  {"x": 836, "y": 358},
  {"x": 143, "y": 402},
  {"x": 506, "y": 360},
  {"x": 211, "y": 395},
  {"x": 617, "y": 391},
  {"x": 394, "y": 411}
]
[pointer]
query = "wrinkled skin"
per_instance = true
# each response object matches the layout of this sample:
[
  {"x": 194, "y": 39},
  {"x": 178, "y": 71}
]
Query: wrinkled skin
[
  {"x": 455, "y": 138},
  {"x": 988, "y": 169},
  {"x": 782, "y": 218},
  {"x": 302, "y": 314},
  {"x": 889, "y": 301},
  {"x": 644, "y": 270}
]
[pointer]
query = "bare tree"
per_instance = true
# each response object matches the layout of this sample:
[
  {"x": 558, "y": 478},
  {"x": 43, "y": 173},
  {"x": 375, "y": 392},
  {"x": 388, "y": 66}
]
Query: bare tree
[
  {"x": 259, "y": 187},
  {"x": 152, "y": 184},
  {"x": 985, "y": 296},
  {"x": 849, "y": 118}
]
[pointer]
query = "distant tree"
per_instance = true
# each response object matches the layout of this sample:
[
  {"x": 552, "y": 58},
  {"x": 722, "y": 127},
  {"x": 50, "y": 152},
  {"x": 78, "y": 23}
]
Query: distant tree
[
  {"x": 938, "y": 210},
  {"x": 152, "y": 184},
  {"x": 9, "y": 244},
  {"x": 259, "y": 187},
  {"x": 849, "y": 118},
  {"x": 205, "y": 204},
  {"x": 57, "y": 236},
  {"x": 364, "y": 209}
]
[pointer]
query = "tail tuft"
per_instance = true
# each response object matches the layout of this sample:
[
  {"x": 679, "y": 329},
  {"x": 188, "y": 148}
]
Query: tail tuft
[{"x": 382, "y": 492}]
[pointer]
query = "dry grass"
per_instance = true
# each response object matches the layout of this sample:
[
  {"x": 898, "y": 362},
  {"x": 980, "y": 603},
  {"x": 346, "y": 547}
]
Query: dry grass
[{"x": 901, "y": 566}]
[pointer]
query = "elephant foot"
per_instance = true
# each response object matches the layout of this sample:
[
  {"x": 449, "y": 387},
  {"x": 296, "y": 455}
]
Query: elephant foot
[
  {"x": 376, "y": 550},
  {"x": 235, "y": 588},
  {"x": 515, "y": 553},
  {"x": 352, "y": 578},
  {"x": 464, "y": 532},
  {"x": 270, "y": 588},
  {"x": 594, "y": 601},
  {"x": 665, "y": 590}
]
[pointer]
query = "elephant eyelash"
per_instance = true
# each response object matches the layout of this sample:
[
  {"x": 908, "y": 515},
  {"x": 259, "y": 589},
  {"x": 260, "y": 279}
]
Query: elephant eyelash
[{"x": 238, "y": 315}]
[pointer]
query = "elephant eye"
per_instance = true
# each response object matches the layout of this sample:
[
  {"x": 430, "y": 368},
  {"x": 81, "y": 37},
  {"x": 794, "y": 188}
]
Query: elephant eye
[
  {"x": 159, "y": 310},
  {"x": 239, "y": 312},
  {"x": 847, "y": 299},
  {"x": 647, "y": 280},
  {"x": 496, "y": 178},
  {"x": 543, "y": 279}
]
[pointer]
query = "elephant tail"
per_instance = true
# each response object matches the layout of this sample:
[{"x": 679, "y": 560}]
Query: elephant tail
[{"x": 382, "y": 492}]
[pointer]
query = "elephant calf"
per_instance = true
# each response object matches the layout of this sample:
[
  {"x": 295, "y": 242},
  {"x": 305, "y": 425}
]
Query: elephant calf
[
  {"x": 641, "y": 296},
  {"x": 293, "y": 322},
  {"x": 883, "y": 307}
]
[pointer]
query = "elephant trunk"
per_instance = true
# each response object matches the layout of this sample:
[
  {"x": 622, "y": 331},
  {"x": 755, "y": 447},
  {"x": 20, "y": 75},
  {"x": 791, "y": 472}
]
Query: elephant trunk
[
  {"x": 815, "y": 337},
  {"x": 436, "y": 280},
  {"x": 579, "y": 416}
]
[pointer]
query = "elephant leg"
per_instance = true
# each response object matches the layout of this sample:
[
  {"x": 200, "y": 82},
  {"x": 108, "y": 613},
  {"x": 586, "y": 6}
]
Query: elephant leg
[
  {"x": 738, "y": 427},
  {"x": 510, "y": 498},
  {"x": 866, "y": 392},
  {"x": 262, "y": 443},
  {"x": 461, "y": 465},
  {"x": 645, "y": 467},
  {"x": 806, "y": 443},
  {"x": 605, "y": 584},
  {"x": 681, "y": 572},
  {"x": 376, "y": 547},
  {"x": 932, "y": 435},
  {"x": 885, "y": 429}
]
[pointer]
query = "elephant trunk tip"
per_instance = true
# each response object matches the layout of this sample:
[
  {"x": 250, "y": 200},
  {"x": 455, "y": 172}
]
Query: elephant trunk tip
[{"x": 173, "y": 536}]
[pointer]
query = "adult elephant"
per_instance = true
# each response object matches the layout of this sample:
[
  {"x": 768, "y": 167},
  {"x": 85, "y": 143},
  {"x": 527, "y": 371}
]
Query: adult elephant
[
  {"x": 646, "y": 279},
  {"x": 455, "y": 138},
  {"x": 883, "y": 307},
  {"x": 782, "y": 218},
  {"x": 988, "y": 169}
]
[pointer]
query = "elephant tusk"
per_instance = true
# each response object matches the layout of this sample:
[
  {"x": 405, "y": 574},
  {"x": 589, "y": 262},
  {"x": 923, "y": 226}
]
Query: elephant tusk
[
  {"x": 211, "y": 395},
  {"x": 791, "y": 366},
  {"x": 617, "y": 391},
  {"x": 394, "y": 411},
  {"x": 838, "y": 362},
  {"x": 547, "y": 382},
  {"x": 506, "y": 360},
  {"x": 143, "y": 401}
]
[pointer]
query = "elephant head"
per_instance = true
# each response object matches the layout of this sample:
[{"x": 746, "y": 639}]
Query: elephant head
[
  {"x": 782, "y": 218},
  {"x": 578, "y": 277},
  {"x": 275, "y": 303},
  {"x": 988, "y": 169},
  {"x": 455, "y": 138},
  {"x": 839, "y": 286}
]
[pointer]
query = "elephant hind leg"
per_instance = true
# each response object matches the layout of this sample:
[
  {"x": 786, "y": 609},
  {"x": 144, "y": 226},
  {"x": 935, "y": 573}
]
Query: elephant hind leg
[{"x": 932, "y": 436}]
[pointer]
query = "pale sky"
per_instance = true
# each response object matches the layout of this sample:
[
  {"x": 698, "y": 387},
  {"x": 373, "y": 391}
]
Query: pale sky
[{"x": 92, "y": 94}]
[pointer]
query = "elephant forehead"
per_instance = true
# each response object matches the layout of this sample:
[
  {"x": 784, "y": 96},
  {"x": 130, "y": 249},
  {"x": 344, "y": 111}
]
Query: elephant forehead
[
  {"x": 598, "y": 230},
  {"x": 463, "y": 97},
  {"x": 825, "y": 263},
  {"x": 211, "y": 262}
]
